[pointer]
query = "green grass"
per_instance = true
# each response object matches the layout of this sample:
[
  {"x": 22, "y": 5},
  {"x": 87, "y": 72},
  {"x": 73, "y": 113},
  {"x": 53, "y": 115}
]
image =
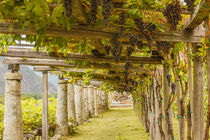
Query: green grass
[{"x": 116, "y": 124}]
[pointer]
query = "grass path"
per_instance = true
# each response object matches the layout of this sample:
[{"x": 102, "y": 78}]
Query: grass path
[{"x": 116, "y": 124}]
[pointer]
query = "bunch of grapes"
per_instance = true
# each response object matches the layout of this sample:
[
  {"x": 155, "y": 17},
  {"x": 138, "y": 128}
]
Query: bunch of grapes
[
  {"x": 173, "y": 14},
  {"x": 122, "y": 19},
  {"x": 134, "y": 39},
  {"x": 173, "y": 88},
  {"x": 190, "y": 5},
  {"x": 168, "y": 77},
  {"x": 166, "y": 47},
  {"x": 126, "y": 76},
  {"x": 67, "y": 4},
  {"x": 106, "y": 11},
  {"x": 159, "y": 45},
  {"x": 163, "y": 46},
  {"x": 108, "y": 49},
  {"x": 134, "y": 83},
  {"x": 127, "y": 65},
  {"x": 140, "y": 45},
  {"x": 142, "y": 27},
  {"x": 140, "y": 24},
  {"x": 133, "y": 42},
  {"x": 93, "y": 11},
  {"x": 116, "y": 47},
  {"x": 130, "y": 50}
]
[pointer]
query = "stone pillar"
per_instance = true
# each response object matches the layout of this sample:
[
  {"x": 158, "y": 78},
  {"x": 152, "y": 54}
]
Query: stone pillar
[
  {"x": 13, "y": 124},
  {"x": 96, "y": 101},
  {"x": 91, "y": 101},
  {"x": 71, "y": 102},
  {"x": 86, "y": 103},
  {"x": 62, "y": 112},
  {"x": 79, "y": 104},
  {"x": 100, "y": 101},
  {"x": 107, "y": 101}
]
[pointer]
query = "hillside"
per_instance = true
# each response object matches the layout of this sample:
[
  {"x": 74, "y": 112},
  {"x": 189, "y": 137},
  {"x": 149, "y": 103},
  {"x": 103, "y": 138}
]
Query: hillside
[{"x": 31, "y": 82}]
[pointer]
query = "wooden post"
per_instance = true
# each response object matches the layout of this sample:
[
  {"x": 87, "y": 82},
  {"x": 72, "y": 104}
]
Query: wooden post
[
  {"x": 198, "y": 100},
  {"x": 206, "y": 135},
  {"x": 45, "y": 106}
]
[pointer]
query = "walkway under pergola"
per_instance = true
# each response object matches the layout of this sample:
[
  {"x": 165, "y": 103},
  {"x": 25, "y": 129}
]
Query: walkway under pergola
[{"x": 90, "y": 101}]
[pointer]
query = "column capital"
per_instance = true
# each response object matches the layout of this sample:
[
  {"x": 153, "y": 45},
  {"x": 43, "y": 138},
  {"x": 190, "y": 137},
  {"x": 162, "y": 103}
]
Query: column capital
[
  {"x": 62, "y": 81},
  {"x": 13, "y": 76}
]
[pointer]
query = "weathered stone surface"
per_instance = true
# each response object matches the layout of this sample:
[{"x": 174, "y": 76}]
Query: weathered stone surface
[
  {"x": 86, "y": 104},
  {"x": 91, "y": 101},
  {"x": 96, "y": 100},
  {"x": 62, "y": 112},
  {"x": 71, "y": 103},
  {"x": 13, "y": 125},
  {"x": 79, "y": 104},
  {"x": 13, "y": 76}
]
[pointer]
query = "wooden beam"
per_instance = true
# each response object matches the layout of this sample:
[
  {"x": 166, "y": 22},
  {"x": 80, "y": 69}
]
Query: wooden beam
[
  {"x": 28, "y": 53},
  {"x": 91, "y": 32},
  {"x": 201, "y": 12},
  {"x": 45, "y": 106},
  {"x": 62, "y": 63},
  {"x": 48, "y": 68},
  {"x": 98, "y": 77}
]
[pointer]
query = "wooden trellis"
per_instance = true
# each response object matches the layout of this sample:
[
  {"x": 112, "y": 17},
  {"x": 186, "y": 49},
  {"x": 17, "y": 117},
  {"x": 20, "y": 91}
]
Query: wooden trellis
[{"x": 190, "y": 33}]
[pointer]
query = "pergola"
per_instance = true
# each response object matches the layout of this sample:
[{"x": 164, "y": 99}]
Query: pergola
[{"x": 113, "y": 73}]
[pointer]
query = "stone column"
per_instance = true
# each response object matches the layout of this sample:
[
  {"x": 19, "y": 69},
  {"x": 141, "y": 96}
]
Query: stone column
[
  {"x": 62, "y": 111},
  {"x": 96, "y": 101},
  {"x": 71, "y": 102},
  {"x": 100, "y": 100},
  {"x": 106, "y": 101},
  {"x": 86, "y": 104},
  {"x": 91, "y": 101},
  {"x": 13, "y": 124},
  {"x": 79, "y": 104}
]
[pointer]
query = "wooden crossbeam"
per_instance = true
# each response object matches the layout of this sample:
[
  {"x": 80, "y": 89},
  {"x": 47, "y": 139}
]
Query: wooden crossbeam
[
  {"x": 92, "y": 32},
  {"x": 28, "y": 53},
  {"x": 62, "y": 63},
  {"x": 48, "y": 68},
  {"x": 201, "y": 12}
]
